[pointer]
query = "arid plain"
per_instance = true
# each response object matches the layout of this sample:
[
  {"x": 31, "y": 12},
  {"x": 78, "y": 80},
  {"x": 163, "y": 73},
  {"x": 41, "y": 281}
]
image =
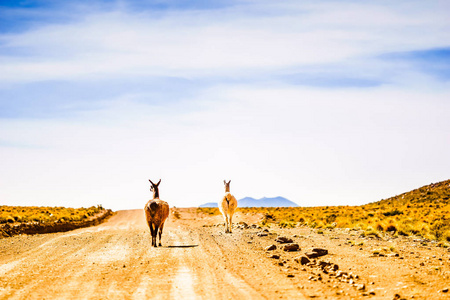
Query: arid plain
[{"x": 198, "y": 260}]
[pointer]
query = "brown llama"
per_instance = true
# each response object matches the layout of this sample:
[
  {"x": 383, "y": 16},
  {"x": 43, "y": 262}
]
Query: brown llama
[
  {"x": 156, "y": 213},
  {"x": 227, "y": 207}
]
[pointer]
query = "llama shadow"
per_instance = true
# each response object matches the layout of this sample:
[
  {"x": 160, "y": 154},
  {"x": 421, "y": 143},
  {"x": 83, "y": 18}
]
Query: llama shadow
[{"x": 182, "y": 246}]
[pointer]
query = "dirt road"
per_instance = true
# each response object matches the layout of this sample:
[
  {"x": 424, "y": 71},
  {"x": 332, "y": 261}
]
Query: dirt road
[{"x": 198, "y": 261}]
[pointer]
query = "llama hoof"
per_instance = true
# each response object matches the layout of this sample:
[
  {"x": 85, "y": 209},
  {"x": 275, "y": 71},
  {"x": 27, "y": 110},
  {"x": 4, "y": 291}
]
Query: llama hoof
[{"x": 160, "y": 245}]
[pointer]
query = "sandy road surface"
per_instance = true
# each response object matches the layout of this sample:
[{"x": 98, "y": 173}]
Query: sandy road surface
[
  {"x": 198, "y": 261},
  {"x": 115, "y": 261}
]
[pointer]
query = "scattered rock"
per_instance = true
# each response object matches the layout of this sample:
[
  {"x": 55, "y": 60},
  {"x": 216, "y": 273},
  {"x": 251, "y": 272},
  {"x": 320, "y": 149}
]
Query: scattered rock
[
  {"x": 275, "y": 256},
  {"x": 302, "y": 260},
  {"x": 290, "y": 275},
  {"x": 291, "y": 247},
  {"x": 243, "y": 224},
  {"x": 360, "y": 287},
  {"x": 316, "y": 252},
  {"x": 283, "y": 240},
  {"x": 271, "y": 247},
  {"x": 311, "y": 254},
  {"x": 262, "y": 234},
  {"x": 445, "y": 290}
]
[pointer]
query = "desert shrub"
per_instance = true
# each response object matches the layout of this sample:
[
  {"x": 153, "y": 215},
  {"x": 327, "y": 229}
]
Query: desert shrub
[
  {"x": 176, "y": 214},
  {"x": 331, "y": 218},
  {"x": 330, "y": 226},
  {"x": 44, "y": 214},
  {"x": 379, "y": 227},
  {"x": 439, "y": 229},
  {"x": 393, "y": 213},
  {"x": 369, "y": 231},
  {"x": 287, "y": 224},
  {"x": 391, "y": 227}
]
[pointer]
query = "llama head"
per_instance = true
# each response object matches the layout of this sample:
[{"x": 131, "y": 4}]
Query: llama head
[
  {"x": 227, "y": 186},
  {"x": 154, "y": 188}
]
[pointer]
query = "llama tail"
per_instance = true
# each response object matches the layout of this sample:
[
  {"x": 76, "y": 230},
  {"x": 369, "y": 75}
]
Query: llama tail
[{"x": 152, "y": 208}]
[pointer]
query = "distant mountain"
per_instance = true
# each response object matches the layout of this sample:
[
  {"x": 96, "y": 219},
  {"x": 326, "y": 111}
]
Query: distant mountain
[
  {"x": 209, "y": 204},
  {"x": 266, "y": 202},
  {"x": 263, "y": 202}
]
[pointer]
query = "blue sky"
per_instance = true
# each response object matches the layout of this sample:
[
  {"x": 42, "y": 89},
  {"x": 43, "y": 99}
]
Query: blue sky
[{"x": 328, "y": 103}]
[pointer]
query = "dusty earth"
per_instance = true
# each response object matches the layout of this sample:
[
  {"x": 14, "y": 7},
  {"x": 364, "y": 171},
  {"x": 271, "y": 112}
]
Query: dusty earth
[{"x": 198, "y": 260}]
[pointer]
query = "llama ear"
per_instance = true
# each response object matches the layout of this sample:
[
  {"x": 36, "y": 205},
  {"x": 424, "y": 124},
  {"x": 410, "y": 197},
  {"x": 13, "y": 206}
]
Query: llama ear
[
  {"x": 150, "y": 181},
  {"x": 224, "y": 182},
  {"x": 229, "y": 181},
  {"x": 158, "y": 182}
]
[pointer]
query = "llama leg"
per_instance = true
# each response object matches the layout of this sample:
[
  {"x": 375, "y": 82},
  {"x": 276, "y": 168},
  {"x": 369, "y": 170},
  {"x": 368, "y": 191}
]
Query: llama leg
[
  {"x": 156, "y": 235},
  {"x": 226, "y": 223},
  {"x": 231, "y": 222},
  {"x": 151, "y": 231},
  {"x": 160, "y": 233}
]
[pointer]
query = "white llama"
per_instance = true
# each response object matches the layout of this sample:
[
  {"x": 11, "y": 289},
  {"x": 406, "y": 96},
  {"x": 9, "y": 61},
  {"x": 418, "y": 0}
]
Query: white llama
[{"x": 227, "y": 207}]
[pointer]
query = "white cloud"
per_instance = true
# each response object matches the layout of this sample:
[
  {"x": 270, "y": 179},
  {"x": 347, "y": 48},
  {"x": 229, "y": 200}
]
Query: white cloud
[{"x": 194, "y": 43}]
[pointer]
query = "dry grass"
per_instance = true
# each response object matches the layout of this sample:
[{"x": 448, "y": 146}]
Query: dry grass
[
  {"x": 423, "y": 212},
  {"x": 24, "y": 214}
]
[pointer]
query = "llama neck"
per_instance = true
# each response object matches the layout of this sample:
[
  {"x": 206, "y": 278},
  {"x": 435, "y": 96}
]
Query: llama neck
[
  {"x": 227, "y": 189},
  {"x": 155, "y": 193}
]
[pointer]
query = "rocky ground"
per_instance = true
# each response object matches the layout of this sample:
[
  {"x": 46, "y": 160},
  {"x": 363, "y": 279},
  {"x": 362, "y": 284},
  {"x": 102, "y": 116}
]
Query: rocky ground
[{"x": 198, "y": 260}]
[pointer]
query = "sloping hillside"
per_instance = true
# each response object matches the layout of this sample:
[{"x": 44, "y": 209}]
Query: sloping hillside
[
  {"x": 421, "y": 212},
  {"x": 432, "y": 194}
]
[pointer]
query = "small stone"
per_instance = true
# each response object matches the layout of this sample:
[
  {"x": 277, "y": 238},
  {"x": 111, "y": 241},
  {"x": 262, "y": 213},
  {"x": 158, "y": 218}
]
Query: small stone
[
  {"x": 291, "y": 247},
  {"x": 274, "y": 256},
  {"x": 311, "y": 254},
  {"x": 271, "y": 247},
  {"x": 445, "y": 290},
  {"x": 302, "y": 260},
  {"x": 320, "y": 251},
  {"x": 262, "y": 234},
  {"x": 316, "y": 252},
  {"x": 324, "y": 264},
  {"x": 290, "y": 275},
  {"x": 284, "y": 240}
]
